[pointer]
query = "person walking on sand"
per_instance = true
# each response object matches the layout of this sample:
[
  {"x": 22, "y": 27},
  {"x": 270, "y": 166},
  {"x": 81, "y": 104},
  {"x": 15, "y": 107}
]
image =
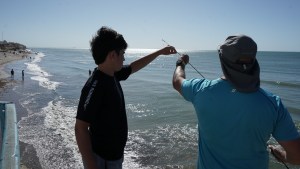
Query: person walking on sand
[
  {"x": 101, "y": 127},
  {"x": 235, "y": 116}
]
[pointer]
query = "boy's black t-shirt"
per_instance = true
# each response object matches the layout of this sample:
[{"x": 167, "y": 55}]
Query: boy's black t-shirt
[{"x": 102, "y": 105}]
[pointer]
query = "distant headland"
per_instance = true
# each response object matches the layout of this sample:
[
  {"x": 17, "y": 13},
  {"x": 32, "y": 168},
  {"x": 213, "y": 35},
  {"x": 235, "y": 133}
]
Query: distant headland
[{"x": 11, "y": 46}]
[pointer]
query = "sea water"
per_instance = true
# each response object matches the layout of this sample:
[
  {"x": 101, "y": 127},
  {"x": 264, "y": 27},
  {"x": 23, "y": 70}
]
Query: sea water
[{"x": 162, "y": 126}]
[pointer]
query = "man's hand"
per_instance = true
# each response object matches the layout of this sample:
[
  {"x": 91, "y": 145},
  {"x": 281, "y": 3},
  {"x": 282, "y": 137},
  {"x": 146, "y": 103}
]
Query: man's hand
[
  {"x": 185, "y": 58},
  {"x": 278, "y": 152}
]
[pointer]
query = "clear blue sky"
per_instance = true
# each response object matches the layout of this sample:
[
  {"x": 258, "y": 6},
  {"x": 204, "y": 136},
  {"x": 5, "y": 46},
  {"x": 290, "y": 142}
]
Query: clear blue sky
[{"x": 185, "y": 24}]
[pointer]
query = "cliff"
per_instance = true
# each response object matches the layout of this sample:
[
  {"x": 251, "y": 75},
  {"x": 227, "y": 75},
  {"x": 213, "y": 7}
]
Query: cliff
[{"x": 5, "y": 46}]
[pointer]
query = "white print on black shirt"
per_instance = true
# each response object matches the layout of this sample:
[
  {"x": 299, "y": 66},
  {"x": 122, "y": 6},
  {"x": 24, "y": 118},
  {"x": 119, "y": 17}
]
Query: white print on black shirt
[{"x": 90, "y": 94}]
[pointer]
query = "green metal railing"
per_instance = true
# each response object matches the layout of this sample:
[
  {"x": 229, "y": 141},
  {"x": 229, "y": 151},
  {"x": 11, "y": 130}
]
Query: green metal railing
[{"x": 9, "y": 139}]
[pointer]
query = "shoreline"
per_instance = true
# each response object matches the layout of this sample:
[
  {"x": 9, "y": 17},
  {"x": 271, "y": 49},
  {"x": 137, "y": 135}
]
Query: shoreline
[
  {"x": 29, "y": 159},
  {"x": 6, "y": 57}
]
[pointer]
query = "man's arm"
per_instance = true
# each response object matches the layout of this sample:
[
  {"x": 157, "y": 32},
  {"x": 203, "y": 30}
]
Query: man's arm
[
  {"x": 84, "y": 143},
  {"x": 144, "y": 61},
  {"x": 289, "y": 151},
  {"x": 179, "y": 73}
]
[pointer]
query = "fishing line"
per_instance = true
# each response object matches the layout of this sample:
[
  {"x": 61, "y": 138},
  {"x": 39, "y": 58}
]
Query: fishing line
[{"x": 188, "y": 63}]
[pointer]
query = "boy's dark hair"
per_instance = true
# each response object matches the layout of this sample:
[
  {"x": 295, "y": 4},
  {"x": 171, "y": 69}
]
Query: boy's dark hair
[{"x": 104, "y": 41}]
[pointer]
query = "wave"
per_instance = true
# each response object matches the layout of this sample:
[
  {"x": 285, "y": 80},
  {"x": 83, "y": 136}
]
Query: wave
[
  {"x": 51, "y": 132},
  {"x": 39, "y": 74}
]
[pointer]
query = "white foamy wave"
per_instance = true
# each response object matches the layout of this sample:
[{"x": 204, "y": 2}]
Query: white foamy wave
[
  {"x": 38, "y": 57},
  {"x": 45, "y": 82},
  {"x": 51, "y": 133},
  {"x": 39, "y": 74},
  {"x": 62, "y": 120}
]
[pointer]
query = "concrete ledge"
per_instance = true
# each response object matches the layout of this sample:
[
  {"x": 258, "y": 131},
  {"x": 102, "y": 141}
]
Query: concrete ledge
[{"x": 9, "y": 139}]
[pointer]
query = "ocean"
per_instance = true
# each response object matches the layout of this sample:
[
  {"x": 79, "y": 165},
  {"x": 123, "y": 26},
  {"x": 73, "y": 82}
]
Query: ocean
[{"x": 162, "y": 126}]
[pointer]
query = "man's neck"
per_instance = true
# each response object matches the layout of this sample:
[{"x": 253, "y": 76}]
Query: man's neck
[{"x": 106, "y": 69}]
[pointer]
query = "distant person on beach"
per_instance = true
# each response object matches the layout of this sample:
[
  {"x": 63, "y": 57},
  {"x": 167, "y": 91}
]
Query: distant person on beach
[
  {"x": 235, "y": 116},
  {"x": 22, "y": 74},
  {"x": 101, "y": 127},
  {"x": 90, "y": 72},
  {"x": 12, "y": 72}
]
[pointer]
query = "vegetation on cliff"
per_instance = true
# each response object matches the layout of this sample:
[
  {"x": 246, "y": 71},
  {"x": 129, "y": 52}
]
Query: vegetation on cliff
[{"x": 6, "y": 46}]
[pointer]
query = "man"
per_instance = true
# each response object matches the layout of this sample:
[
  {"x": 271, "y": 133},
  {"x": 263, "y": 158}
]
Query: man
[
  {"x": 101, "y": 124},
  {"x": 12, "y": 72},
  {"x": 235, "y": 116},
  {"x": 22, "y": 74}
]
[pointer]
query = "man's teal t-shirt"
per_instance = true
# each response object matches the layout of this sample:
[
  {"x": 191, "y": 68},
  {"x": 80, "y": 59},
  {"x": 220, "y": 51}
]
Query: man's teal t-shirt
[{"x": 234, "y": 127}]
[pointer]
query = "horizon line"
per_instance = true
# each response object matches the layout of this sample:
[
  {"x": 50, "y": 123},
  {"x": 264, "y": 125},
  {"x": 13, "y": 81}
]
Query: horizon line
[{"x": 144, "y": 50}]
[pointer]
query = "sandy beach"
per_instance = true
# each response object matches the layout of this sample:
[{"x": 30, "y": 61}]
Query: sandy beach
[{"x": 6, "y": 57}]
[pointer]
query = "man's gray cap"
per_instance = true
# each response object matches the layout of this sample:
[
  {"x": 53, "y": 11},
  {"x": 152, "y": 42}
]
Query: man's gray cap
[{"x": 238, "y": 46}]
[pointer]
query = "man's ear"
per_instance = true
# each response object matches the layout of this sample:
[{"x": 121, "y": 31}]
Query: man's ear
[{"x": 111, "y": 55}]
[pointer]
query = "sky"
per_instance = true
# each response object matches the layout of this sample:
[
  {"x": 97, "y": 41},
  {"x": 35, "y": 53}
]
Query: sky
[{"x": 185, "y": 24}]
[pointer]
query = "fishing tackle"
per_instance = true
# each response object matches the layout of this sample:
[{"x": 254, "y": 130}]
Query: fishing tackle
[{"x": 188, "y": 63}]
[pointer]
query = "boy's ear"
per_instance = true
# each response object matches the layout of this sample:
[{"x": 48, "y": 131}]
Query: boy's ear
[{"x": 111, "y": 55}]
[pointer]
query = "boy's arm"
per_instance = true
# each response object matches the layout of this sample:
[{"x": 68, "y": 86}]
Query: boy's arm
[
  {"x": 84, "y": 143},
  {"x": 144, "y": 61}
]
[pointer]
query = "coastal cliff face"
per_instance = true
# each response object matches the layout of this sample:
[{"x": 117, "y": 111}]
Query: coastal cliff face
[{"x": 5, "y": 46}]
